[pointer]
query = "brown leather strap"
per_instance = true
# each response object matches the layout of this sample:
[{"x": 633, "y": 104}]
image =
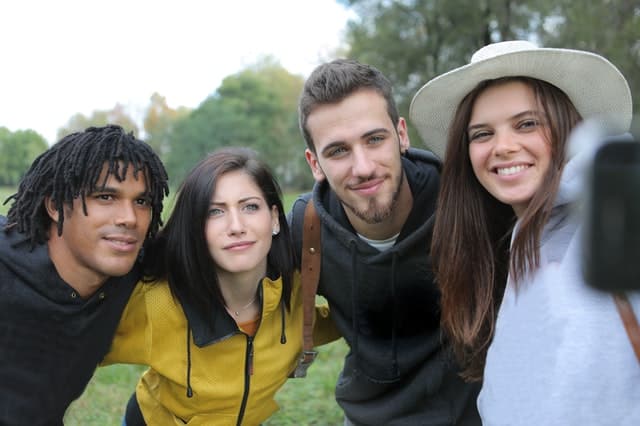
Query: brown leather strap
[
  {"x": 629, "y": 320},
  {"x": 310, "y": 275}
]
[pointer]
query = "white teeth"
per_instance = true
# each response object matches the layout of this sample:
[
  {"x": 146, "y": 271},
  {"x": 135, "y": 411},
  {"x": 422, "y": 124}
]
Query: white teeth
[{"x": 511, "y": 170}]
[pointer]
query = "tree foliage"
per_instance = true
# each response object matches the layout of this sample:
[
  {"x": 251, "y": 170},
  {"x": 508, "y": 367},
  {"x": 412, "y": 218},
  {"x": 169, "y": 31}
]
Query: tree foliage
[
  {"x": 256, "y": 108},
  {"x": 610, "y": 28},
  {"x": 117, "y": 115},
  {"x": 17, "y": 151},
  {"x": 412, "y": 41},
  {"x": 158, "y": 123}
]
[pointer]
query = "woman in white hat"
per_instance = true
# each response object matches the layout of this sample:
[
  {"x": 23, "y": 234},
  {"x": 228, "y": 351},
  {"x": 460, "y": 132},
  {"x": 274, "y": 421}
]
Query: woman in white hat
[{"x": 548, "y": 348}]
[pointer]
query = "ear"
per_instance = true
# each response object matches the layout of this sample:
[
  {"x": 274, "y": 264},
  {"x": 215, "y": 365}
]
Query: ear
[
  {"x": 50, "y": 205},
  {"x": 403, "y": 135},
  {"x": 275, "y": 220},
  {"x": 314, "y": 165}
]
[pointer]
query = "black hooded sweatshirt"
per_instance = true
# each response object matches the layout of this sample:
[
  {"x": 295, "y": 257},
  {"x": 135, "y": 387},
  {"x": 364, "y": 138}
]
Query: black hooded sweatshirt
[
  {"x": 51, "y": 340},
  {"x": 386, "y": 306}
]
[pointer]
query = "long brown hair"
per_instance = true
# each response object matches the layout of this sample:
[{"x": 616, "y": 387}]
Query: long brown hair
[{"x": 470, "y": 246}]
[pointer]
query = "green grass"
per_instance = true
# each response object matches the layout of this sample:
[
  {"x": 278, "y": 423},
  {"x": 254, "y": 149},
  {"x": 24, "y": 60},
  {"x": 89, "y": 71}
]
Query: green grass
[
  {"x": 5, "y": 191},
  {"x": 307, "y": 401}
]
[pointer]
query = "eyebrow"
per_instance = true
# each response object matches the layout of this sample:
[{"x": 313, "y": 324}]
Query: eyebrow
[
  {"x": 112, "y": 190},
  {"x": 240, "y": 201},
  {"x": 514, "y": 117},
  {"x": 362, "y": 136}
]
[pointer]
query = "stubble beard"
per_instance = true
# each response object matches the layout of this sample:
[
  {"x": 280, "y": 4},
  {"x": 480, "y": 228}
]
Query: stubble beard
[{"x": 375, "y": 213}]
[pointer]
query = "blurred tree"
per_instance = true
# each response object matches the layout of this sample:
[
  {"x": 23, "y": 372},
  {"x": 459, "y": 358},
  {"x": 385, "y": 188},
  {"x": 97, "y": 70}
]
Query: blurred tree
[
  {"x": 158, "y": 123},
  {"x": 117, "y": 115},
  {"x": 412, "y": 41},
  {"x": 256, "y": 108},
  {"x": 610, "y": 28},
  {"x": 17, "y": 152}
]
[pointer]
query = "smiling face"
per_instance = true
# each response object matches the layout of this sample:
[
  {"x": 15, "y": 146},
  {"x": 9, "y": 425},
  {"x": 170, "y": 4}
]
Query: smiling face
[
  {"x": 509, "y": 144},
  {"x": 358, "y": 152},
  {"x": 239, "y": 225},
  {"x": 105, "y": 242}
]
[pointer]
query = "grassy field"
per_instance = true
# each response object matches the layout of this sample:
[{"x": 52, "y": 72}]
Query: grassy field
[
  {"x": 4, "y": 193},
  {"x": 307, "y": 401}
]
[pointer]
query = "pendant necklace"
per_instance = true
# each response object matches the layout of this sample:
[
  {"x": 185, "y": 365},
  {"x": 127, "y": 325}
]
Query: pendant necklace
[{"x": 237, "y": 313}]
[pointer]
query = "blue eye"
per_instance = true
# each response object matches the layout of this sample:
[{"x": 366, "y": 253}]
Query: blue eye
[
  {"x": 376, "y": 139},
  {"x": 214, "y": 212},
  {"x": 336, "y": 151}
]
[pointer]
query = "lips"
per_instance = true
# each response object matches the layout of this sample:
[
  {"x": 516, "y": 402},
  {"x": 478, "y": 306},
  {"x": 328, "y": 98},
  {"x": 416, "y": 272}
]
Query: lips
[
  {"x": 124, "y": 243},
  {"x": 368, "y": 186},
  {"x": 239, "y": 245}
]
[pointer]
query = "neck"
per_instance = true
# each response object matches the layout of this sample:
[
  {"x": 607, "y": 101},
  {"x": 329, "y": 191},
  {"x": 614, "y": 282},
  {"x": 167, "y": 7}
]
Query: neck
[
  {"x": 238, "y": 289},
  {"x": 83, "y": 280}
]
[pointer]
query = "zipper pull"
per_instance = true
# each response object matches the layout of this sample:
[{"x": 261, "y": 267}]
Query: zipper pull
[{"x": 251, "y": 356}]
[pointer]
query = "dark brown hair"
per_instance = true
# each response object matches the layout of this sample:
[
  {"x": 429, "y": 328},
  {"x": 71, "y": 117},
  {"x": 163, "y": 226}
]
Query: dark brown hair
[
  {"x": 470, "y": 246},
  {"x": 180, "y": 252},
  {"x": 333, "y": 81}
]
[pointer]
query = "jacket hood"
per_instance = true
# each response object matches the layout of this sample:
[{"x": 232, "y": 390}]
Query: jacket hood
[{"x": 37, "y": 270}]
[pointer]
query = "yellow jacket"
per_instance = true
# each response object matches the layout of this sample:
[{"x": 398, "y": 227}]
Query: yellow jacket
[{"x": 223, "y": 365}]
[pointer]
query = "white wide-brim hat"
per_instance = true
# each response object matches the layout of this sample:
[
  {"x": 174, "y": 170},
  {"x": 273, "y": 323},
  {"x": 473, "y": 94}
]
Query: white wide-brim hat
[{"x": 594, "y": 85}]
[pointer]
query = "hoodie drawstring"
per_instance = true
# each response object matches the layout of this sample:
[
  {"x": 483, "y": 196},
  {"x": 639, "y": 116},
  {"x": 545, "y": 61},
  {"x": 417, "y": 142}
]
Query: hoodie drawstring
[
  {"x": 283, "y": 336},
  {"x": 394, "y": 317},
  {"x": 189, "y": 390},
  {"x": 354, "y": 304}
]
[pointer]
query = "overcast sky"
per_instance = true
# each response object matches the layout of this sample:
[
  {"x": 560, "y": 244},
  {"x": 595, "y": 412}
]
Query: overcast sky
[{"x": 61, "y": 57}]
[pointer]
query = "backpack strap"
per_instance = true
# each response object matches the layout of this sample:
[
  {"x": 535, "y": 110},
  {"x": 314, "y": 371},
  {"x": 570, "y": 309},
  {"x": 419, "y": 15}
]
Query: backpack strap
[
  {"x": 310, "y": 276},
  {"x": 629, "y": 320}
]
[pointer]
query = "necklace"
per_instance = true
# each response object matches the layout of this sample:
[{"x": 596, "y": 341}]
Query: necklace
[{"x": 237, "y": 313}]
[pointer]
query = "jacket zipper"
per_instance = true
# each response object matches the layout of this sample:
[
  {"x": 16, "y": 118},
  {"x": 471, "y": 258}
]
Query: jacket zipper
[{"x": 248, "y": 372}]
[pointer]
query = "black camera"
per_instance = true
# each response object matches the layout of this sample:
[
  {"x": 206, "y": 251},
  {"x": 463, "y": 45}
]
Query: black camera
[{"x": 611, "y": 245}]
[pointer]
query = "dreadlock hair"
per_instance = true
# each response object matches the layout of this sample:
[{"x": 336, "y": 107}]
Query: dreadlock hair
[{"x": 71, "y": 168}]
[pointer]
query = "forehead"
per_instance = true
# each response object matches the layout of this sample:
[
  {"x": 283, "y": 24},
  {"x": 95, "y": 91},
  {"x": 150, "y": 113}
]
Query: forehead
[
  {"x": 503, "y": 99},
  {"x": 349, "y": 118},
  {"x": 234, "y": 185},
  {"x": 116, "y": 178}
]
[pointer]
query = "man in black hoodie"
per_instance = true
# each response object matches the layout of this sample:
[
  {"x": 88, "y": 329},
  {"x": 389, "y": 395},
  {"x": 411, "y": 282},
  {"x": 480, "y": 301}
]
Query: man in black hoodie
[
  {"x": 68, "y": 250},
  {"x": 375, "y": 198}
]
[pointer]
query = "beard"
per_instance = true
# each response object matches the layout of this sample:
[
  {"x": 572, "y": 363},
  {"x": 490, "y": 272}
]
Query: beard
[{"x": 375, "y": 211}]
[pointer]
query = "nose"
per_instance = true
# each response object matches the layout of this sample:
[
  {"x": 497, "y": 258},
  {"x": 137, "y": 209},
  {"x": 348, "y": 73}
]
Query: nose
[
  {"x": 362, "y": 165},
  {"x": 236, "y": 224},
  {"x": 505, "y": 143},
  {"x": 126, "y": 215}
]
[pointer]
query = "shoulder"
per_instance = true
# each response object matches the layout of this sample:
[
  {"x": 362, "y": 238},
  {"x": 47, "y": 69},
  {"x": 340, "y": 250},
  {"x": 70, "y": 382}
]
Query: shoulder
[
  {"x": 295, "y": 218},
  {"x": 424, "y": 158},
  {"x": 297, "y": 209}
]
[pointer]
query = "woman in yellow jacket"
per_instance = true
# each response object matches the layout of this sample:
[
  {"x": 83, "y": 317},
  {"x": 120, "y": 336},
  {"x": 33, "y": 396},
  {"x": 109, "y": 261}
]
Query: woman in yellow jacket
[{"x": 219, "y": 318}]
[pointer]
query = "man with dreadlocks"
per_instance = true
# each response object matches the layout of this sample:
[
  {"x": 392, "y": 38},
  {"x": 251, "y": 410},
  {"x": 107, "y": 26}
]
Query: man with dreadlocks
[{"x": 68, "y": 250}]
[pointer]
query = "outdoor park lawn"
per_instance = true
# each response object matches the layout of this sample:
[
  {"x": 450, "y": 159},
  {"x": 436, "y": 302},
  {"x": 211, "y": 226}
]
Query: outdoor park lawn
[
  {"x": 5, "y": 191},
  {"x": 307, "y": 401}
]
